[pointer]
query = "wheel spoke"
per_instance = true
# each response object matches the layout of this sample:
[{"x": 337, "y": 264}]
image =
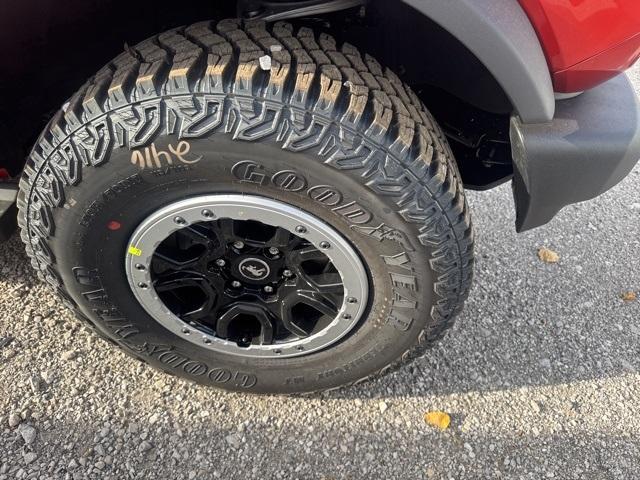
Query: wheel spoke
[
  {"x": 204, "y": 235},
  {"x": 196, "y": 234},
  {"x": 286, "y": 315},
  {"x": 326, "y": 283},
  {"x": 315, "y": 300},
  {"x": 319, "y": 302},
  {"x": 239, "y": 312},
  {"x": 282, "y": 239},
  {"x": 162, "y": 263},
  {"x": 174, "y": 283},
  {"x": 225, "y": 230},
  {"x": 306, "y": 254},
  {"x": 202, "y": 313},
  {"x": 320, "y": 279}
]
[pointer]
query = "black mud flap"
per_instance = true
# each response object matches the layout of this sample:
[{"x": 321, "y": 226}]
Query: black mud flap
[{"x": 592, "y": 143}]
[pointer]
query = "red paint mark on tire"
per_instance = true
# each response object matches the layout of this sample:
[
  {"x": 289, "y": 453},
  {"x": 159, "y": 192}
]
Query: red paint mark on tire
[{"x": 113, "y": 225}]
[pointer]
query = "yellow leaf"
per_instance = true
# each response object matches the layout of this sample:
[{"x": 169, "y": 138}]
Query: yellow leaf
[
  {"x": 439, "y": 420},
  {"x": 629, "y": 296},
  {"x": 548, "y": 256}
]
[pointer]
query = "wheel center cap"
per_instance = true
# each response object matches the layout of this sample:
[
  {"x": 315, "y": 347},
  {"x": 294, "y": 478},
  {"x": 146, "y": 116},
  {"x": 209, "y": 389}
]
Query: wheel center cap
[{"x": 254, "y": 269}]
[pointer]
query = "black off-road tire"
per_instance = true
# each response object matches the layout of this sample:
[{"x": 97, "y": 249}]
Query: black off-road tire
[{"x": 241, "y": 104}]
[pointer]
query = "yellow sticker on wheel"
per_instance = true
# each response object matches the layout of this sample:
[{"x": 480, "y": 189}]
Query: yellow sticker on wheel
[{"x": 134, "y": 251}]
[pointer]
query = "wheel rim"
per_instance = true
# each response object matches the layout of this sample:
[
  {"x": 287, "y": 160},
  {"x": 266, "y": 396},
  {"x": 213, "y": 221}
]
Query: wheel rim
[{"x": 247, "y": 275}]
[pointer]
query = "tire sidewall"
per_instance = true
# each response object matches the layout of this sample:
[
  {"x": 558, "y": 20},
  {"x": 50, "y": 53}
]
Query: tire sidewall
[{"x": 92, "y": 256}]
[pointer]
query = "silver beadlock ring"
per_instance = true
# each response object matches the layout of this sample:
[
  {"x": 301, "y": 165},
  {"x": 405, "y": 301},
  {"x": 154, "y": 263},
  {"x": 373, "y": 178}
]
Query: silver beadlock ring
[{"x": 161, "y": 224}]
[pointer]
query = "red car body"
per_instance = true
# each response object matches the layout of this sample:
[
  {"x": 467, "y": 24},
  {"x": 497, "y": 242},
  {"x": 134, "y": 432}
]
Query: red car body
[{"x": 586, "y": 42}]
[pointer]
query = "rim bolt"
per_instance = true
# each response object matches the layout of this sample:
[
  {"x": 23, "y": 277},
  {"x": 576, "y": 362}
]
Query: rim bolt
[
  {"x": 139, "y": 266},
  {"x": 143, "y": 285},
  {"x": 268, "y": 289},
  {"x": 236, "y": 284},
  {"x": 287, "y": 273},
  {"x": 207, "y": 213},
  {"x": 220, "y": 262},
  {"x": 179, "y": 220},
  {"x": 238, "y": 244},
  {"x": 352, "y": 300},
  {"x": 301, "y": 229},
  {"x": 346, "y": 316},
  {"x": 325, "y": 245},
  {"x": 274, "y": 251}
]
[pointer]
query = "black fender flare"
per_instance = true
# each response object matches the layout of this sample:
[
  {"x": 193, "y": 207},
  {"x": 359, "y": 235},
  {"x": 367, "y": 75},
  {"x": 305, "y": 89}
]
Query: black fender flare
[{"x": 500, "y": 35}]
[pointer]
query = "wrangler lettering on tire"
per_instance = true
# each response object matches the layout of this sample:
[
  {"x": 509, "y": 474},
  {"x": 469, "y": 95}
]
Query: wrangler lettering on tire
[{"x": 324, "y": 176}]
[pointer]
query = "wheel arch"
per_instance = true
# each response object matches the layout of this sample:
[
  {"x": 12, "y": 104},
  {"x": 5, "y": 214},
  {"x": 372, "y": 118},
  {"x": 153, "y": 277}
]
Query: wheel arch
[{"x": 500, "y": 35}]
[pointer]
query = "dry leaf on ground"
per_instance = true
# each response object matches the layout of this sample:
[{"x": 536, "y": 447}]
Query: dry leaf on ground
[
  {"x": 629, "y": 296},
  {"x": 548, "y": 256},
  {"x": 439, "y": 420}
]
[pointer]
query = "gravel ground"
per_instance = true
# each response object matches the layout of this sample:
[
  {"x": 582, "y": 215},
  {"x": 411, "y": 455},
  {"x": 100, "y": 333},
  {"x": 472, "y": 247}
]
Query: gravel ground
[{"x": 540, "y": 376}]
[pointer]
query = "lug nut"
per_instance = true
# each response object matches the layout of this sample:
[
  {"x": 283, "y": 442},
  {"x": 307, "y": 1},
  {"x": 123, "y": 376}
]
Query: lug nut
[
  {"x": 207, "y": 213},
  {"x": 301, "y": 229},
  {"x": 287, "y": 273},
  {"x": 179, "y": 220},
  {"x": 274, "y": 251},
  {"x": 220, "y": 262},
  {"x": 268, "y": 289},
  {"x": 236, "y": 284},
  {"x": 325, "y": 245},
  {"x": 238, "y": 244},
  {"x": 352, "y": 300}
]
